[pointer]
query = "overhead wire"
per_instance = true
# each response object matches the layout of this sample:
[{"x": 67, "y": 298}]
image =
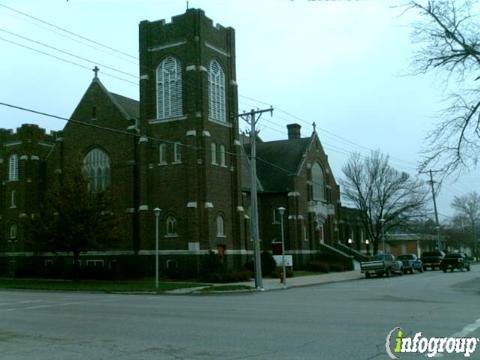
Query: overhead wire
[
  {"x": 68, "y": 31},
  {"x": 67, "y": 53},
  {"x": 79, "y": 36},
  {"x": 331, "y": 147}
]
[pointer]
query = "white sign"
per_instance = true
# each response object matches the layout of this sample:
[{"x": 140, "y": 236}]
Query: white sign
[{"x": 288, "y": 260}]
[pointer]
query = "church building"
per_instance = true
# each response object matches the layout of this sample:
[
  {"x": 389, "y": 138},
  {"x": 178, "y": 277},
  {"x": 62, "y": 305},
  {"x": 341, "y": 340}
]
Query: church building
[{"x": 178, "y": 149}]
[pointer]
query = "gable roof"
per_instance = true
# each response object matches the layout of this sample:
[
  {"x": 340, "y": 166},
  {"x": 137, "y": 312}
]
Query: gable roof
[
  {"x": 129, "y": 106},
  {"x": 277, "y": 161}
]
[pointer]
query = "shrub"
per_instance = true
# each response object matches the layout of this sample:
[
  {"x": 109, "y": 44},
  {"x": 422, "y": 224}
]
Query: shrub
[
  {"x": 227, "y": 276},
  {"x": 337, "y": 267},
  {"x": 268, "y": 264},
  {"x": 318, "y": 266},
  {"x": 279, "y": 272}
]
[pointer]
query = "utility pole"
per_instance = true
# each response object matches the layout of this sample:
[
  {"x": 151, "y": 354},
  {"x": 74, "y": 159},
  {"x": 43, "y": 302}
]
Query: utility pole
[
  {"x": 252, "y": 118},
  {"x": 431, "y": 182}
]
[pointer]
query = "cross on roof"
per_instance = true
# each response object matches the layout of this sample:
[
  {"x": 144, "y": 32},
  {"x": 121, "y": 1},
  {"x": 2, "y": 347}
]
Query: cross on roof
[
  {"x": 96, "y": 70},
  {"x": 314, "y": 127}
]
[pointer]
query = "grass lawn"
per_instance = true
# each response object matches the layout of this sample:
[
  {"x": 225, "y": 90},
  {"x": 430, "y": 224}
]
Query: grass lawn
[
  {"x": 306, "y": 273},
  {"x": 95, "y": 285},
  {"x": 227, "y": 288}
]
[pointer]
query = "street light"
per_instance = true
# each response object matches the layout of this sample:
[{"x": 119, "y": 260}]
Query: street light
[
  {"x": 382, "y": 220},
  {"x": 350, "y": 242},
  {"x": 157, "y": 212},
  {"x": 281, "y": 211},
  {"x": 367, "y": 244}
]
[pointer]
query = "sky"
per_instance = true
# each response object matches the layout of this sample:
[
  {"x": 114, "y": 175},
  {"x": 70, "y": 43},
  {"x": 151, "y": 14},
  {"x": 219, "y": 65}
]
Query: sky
[{"x": 345, "y": 65}]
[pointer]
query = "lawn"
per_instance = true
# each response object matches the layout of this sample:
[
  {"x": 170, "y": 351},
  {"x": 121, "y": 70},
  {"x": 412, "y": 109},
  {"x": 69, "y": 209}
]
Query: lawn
[
  {"x": 218, "y": 288},
  {"x": 107, "y": 286}
]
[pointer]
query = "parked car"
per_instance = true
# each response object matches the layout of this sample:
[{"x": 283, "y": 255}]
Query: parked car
[
  {"x": 454, "y": 261},
  {"x": 381, "y": 264},
  {"x": 411, "y": 263},
  {"x": 432, "y": 259}
]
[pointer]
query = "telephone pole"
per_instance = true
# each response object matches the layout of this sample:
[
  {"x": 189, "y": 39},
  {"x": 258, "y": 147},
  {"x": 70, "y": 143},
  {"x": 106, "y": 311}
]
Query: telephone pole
[
  {"x": 252, "y": 118},
  {"x": 431, "y": 182}
]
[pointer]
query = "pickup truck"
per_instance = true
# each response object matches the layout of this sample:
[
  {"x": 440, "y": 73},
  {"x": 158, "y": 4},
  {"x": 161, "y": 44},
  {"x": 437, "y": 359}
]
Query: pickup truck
[
  {"x": 382, "y": 264},
  {"x": 432, "y": 259},
  {"x": 410, "y": 263},
  {"x": 455, "y": 261}
]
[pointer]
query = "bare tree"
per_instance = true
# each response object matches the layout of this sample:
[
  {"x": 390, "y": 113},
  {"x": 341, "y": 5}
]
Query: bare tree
[
  {"x": 382, "y": 192},
  {"x": 467, "y": 208},
  {"x": 449, "y": 43}
]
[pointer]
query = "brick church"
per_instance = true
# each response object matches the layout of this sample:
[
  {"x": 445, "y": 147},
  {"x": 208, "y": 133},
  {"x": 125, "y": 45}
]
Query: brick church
[{"x": 178, "y": 149}]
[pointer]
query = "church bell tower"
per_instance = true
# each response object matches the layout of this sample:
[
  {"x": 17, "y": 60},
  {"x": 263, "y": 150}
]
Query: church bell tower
[{"x": 188, "y": 155}]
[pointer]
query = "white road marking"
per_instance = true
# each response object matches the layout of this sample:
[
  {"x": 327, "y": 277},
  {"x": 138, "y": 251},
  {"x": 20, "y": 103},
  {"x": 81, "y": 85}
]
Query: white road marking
[
  {"x": 468, "y": 329},
  {"x": 464, "y": 332},
  {"x": 40, "y": 306}
]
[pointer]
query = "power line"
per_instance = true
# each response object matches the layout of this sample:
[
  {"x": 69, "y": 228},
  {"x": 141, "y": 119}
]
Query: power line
[
  {"x": 323, "y": 129},
  {"x": 66, "y": 52},
  {"x": 335, "y": 148},
  {"x": 67, "y": 31},
  {"x": 96, "y": 126},
  {"x": 64, "y": 60}
]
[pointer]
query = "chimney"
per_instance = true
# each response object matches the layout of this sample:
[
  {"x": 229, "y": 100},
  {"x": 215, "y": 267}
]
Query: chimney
[{"x": 293, "y": 131}]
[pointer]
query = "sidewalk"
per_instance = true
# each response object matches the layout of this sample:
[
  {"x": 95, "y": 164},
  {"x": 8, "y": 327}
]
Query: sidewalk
[{"x": 274, "y": 284}]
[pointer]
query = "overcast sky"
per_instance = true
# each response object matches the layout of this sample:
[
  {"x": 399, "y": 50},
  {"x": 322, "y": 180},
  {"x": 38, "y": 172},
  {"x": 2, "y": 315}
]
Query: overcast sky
[{"x": 343, "y": 64}]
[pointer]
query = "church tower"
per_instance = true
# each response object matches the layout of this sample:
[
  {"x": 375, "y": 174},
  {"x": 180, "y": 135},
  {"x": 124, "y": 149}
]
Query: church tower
[{"x": 188, "y": 157}]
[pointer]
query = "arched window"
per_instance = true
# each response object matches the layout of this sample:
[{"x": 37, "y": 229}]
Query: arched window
[
  {"x": 162, "y": 149},
  {"x": 169, "y": 89},
  {"x": 318, "y": 181},
  {"x": 96, "y": 167},
  {"x": 216, "y": 92},
  {"x": 171, "y": 226},
  {"x": 213, "y": 148},
  {"x": 220, "y": 226},
  {"x": 13, "y": 167},
  {"x": 13, "y": 199},
  {"x": 222, "y": 155},
  {"x": 13, "y": 231}
]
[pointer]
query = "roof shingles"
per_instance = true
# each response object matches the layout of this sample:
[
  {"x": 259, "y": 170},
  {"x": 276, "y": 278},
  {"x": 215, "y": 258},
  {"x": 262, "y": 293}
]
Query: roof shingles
[{"x": 277, "y": 161}]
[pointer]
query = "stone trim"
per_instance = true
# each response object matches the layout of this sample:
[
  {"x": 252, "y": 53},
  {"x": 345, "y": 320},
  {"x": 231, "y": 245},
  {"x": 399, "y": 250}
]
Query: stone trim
[
  {"x": 144, "y": 77},
  {"x": 143, "y": 208},
  {"x": 167, "y": 46},
  {"x": 214, "y": 48},
  {"x": 192, "y": 204},
  {"x": 191, "y": 133},
  {"x": 293, "y": 193},
  {"x": 208, "y": 205}
]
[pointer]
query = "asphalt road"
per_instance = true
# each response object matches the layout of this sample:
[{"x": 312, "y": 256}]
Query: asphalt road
[{"x": 348, "y": 320}]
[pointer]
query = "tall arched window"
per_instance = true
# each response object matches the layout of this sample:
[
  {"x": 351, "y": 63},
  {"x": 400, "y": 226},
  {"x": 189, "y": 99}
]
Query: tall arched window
[
  {"x": 96, "y": 167},
  {"x": 220, "y": 226},
  {"x": 171, "y": 226},
  {"x": 216, "y": 92},
  {"x": 213, "y": 148},
  {"x": 169, "y": 89},
  {"x": 318, "y": 181},
  {"x": 13, "y": 167},
  {"x": 13, "y": 231},
  {"x": 222, "y": 155}
]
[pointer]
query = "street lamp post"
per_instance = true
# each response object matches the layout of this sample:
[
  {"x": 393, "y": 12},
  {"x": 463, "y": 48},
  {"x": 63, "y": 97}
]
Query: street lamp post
[
  {"x": 367, "y": 244},
  {"x": 382, "y": 221},
  {"x": 157, "y": 212},
  {"x": 281, "y": 211},
  {"x": 350, "y": 242}
]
